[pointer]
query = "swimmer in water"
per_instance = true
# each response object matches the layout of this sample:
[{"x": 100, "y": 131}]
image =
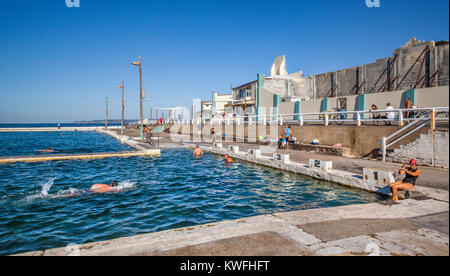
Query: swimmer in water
[
  {"x": 96, "y": 188},
  {"x": 47, "y": 150},
  {"x": 103, "y": 188},
  {"x": 198, "y": 152},
  {"x": 228, "y": 159}
]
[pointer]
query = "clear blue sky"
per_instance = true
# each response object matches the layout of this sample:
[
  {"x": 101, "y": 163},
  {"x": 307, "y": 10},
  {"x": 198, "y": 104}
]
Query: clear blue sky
[{"x": 59, "y": 64}]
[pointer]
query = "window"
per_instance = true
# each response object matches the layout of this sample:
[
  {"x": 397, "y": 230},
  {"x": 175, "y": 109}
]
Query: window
[{"x": 243, "y": 93}]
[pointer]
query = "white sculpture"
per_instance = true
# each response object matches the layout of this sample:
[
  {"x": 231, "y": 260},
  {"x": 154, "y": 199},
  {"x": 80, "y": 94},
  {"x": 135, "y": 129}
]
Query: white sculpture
[{"x": 279, "y": 67}]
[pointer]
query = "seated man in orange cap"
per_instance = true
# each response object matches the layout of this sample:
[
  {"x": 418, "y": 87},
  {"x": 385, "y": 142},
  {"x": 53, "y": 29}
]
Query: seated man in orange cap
[{"x": 412, "y": 173}]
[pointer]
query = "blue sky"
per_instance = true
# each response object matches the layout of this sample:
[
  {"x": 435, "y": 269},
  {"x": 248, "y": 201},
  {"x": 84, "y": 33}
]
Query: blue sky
[{"x": 59, "y": 64}]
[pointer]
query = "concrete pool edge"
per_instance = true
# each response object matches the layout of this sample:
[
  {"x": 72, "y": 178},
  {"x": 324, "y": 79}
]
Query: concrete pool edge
[
  {"x": 336, "y": 176},
  {"x": 138, "y": 149},
  {"x": 292, "y": 227}
]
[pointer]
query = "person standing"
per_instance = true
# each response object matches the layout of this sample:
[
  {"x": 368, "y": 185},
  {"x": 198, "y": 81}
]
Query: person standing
[
  {"x": 148, "y": 136},
  {"x": 412, "y": 173},
  {"x": 213, "y": 134},
  {"x": 287, "y": 136},
  {"x": 409, "y": 105}
]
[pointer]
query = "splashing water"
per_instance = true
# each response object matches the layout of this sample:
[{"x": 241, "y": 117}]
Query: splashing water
[
  {"x": 44, "y": 191},
  {"x": 125, "y": 185}
]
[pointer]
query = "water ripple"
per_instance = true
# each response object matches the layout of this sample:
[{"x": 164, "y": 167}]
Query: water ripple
[{"x": 155, "y": 194}]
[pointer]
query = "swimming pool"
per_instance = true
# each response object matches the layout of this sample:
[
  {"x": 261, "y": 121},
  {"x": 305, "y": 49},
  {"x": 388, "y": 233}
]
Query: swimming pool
[
  {"x": 29, "y": 143},
  {"x": 175, "y": 190}
]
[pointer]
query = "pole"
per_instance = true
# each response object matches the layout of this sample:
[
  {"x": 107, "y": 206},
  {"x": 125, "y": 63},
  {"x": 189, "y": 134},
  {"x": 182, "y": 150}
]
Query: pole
[
  {"x": 106, "y": 118},
  {"x": 123, "y": 107},
  {"x": 141, "y": 128}
]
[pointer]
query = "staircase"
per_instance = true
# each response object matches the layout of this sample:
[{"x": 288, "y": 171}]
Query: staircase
[
  {"x": 403, "y": 133},
  {"x": 429, "y": 148}
]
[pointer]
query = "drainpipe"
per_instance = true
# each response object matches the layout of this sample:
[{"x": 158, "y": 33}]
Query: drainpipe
[{"x": 259, "y": 84}]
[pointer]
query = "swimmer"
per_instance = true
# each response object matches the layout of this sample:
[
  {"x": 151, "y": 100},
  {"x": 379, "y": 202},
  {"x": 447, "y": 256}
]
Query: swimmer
[
  {"x": 96, "y": 188},
  {"x": 103, "y": 188},
  {"x": 47, "y": 150},
  {"x": 198, "y": 152},
  {"x": 228, "y": 159}
]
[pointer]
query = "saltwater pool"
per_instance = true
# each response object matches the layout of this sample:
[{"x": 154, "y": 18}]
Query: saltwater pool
[
  {"x": 175, "y": 190},
  {"x": 29, "y": 143}
]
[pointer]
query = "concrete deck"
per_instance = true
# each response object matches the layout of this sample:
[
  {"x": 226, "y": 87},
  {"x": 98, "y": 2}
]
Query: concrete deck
[
  {"x": 45, "y": 158},
  {"x": 51, "y": 129},
  {"x": 375, "y": 228}
]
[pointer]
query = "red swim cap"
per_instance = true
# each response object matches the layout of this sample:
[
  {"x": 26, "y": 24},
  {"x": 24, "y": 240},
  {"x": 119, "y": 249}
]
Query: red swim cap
[{"x": 413, "y": 162}]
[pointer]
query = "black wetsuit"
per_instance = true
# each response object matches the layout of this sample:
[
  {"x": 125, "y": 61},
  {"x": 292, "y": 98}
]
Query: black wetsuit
[{"x": 411, "y": 179}]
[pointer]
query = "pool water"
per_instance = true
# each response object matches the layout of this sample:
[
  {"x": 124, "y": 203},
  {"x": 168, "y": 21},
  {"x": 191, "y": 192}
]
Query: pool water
[
  {"x": 29, "y": 143},
  {"x": 155, "y": 194}
]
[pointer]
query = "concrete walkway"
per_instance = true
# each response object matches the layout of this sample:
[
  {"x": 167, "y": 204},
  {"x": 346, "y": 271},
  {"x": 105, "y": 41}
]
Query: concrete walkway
[{"x": 406, "y": 228}]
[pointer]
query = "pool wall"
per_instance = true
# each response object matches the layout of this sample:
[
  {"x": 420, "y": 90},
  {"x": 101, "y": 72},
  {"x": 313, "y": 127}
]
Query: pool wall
[{"x": 336, "y": 176}]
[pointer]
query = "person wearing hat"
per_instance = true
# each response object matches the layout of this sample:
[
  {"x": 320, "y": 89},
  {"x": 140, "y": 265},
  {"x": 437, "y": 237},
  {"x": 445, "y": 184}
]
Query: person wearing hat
[
  {"x": 228, "y": 159},
  {"x": 412, "y": 174}
]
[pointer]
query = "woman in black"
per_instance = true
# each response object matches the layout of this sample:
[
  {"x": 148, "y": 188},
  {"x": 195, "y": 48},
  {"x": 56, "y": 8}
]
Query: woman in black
[
  {"x": 213, "y": 134},
  {"x": 412, "y": 174}
]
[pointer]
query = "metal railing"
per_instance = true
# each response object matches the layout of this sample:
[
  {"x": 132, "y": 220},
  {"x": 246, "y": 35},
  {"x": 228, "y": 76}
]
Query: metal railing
[
  {"x": 358, "y": 118},
  {"x": 329, "y": 118},
  {"x": 404, "y": 132}
]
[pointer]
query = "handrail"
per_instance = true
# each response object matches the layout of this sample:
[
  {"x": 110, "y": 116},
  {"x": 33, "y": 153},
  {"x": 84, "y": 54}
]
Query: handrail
[
  {"x": 405, "y": 128},
  {"x": 351, "y": 116},
  {"x": 424, "y": 123},
  {"x": 325, "y": 117},
  {"x": 410, "y": 129}
]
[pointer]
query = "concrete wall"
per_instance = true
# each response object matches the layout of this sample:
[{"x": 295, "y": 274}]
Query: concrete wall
[
  {"x": 347, "y": 79},
  {"x": 323, "y": 83},
  {"x": 363, "y": 141},
  {"x": 375, "y": 75},
  {"x": 426, "y": 97},
  {"x": 432, "y": 97},
  {"x": 409, "y": 63},
  {"x": 442, "y": 55}
]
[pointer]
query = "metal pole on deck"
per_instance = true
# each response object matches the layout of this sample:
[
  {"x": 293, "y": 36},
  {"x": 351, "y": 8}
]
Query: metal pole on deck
[
  {"x": 123, "y": 108},
  {"x": 141, "y": 97}
]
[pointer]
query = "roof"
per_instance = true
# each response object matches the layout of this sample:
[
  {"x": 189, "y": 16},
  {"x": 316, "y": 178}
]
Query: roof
[{"x": 244, "y": 85}]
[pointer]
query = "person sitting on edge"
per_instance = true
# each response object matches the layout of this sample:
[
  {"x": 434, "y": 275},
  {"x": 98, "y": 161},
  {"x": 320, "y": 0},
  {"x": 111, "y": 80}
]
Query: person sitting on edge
[
  {"x": 408, "y": 183},
  {"x": 198, "y": 152},
  {"x": 228, "y": 159},
  {"x": 389, "y": 115},
  {"x": 103, "y": 188},
  {"x": 375, "y": 115},
  {"x": 280, "y": 142}
]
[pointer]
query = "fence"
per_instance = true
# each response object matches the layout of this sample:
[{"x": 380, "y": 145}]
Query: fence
[{"x": 358, "y": 118}]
